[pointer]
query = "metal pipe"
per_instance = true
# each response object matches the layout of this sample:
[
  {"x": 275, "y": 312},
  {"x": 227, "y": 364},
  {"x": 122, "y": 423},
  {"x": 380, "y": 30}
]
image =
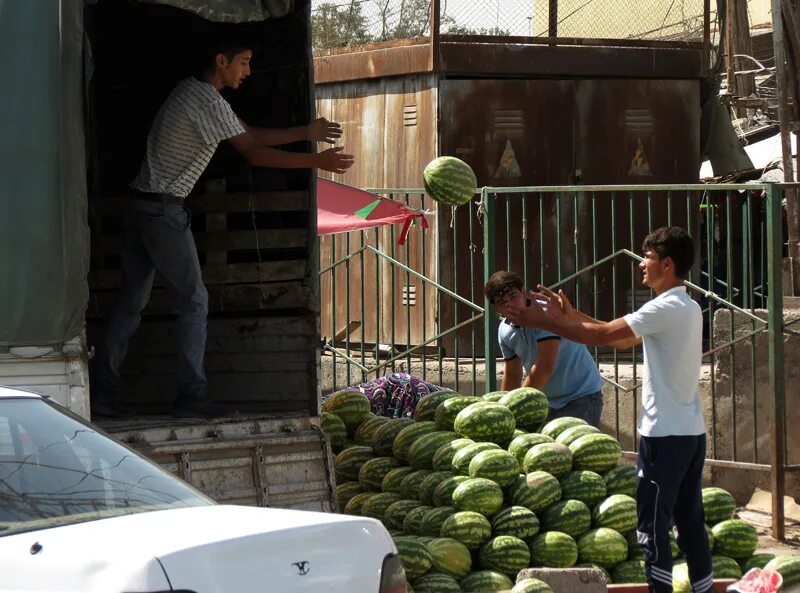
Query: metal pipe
[{"x": 489, "y": 263}]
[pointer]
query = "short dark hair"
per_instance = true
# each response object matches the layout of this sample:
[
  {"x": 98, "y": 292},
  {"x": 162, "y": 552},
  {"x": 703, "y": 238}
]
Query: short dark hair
[
  {"x": 226, "y": 43},
  {"x": 675, "y": 243},
  {"x": 500, "y": 284}
]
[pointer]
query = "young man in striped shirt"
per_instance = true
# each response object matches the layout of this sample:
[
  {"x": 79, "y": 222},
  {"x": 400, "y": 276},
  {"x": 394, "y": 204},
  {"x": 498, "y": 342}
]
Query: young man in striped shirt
[{"x": 184, "y": 136}]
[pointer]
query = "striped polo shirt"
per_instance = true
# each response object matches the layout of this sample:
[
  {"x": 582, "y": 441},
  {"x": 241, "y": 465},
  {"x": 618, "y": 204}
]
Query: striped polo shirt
[{"x": 193, "y": 120}]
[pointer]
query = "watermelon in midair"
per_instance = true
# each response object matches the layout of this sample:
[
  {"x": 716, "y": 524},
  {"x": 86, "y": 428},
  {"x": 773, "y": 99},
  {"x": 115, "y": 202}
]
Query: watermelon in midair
[{"x": 449, "y": 180}]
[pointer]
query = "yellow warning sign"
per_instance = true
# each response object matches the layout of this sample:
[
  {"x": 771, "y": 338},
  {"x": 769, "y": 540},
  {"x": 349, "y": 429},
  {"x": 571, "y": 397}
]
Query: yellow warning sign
[
  {"x": 639, "y": 164},
  {"x": 508, "y": 167}
]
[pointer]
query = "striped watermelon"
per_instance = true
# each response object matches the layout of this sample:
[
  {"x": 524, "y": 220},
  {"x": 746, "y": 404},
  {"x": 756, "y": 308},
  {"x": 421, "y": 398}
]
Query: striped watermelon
[
  {"x": 506, "y": 554},
  {"x": 384, "y": 436},
  {"x": 450, "y": 557},
  {"x": 621, "y": 480},
  {"x": 486, "y": 421},
  {"x": 554, "y": 549},
  {"x": 735, "y": 538},
  {"x": 447, "y": 411},
  {"x": 535, "y": 491},
  {"x": 426, "y": 407},
  {"x": 366, "y": 430},
  {"x": 350, "y": 406},
  {"x": 478, "y": 495},
  {"x": 573, "y": 432},
  {"x": 396, "y": 513},
  {"x": 346, "y": 491},
  {"x": 406, "y": 437},
  {"x": 348, "y": 463},
  {"x": 597, "y": 567},
  {"x": 583, "y": 485},
  {"x": 595, "y": 452},
  {"x": 680, "y": 578},
  {"x": 371, "y": 474},
  {"x": 493, "y": 396},
  {"x": 718, "y": 505},
  {"x": 723, "y": 567},
  {"x": 428, "y": 485},
  {"x": 553, "y": 458},
  {"x": 334, "y": 429},
  {"x": 415, "y": 556},
  {"x": 463, "y": 457},
  {"x": 485, "y": 581},
  {"x": 521, "y": 444},
  {"x": 756, "y": 561},
  {"x": 409, "y": 486},
  {"x": 531, "y": 585},
  {"x": 618, "y": 512},
  {"x": 788, "y": 567},
  {"x": 412, "y": 524},
  {"x": 392, "y": 481},
  {"x": 471, "y": 529},
  {"x": 443, "y": 458},
  {"x": 449, "y": 180},
  {"x": 436, "y": 583},
  {"x": 630, "y": 571},
  {"x": 558, "y": 425},
  {"x": 603, "y": 546},
  {"x": 433, "y": 519},
  {"x": 420, "y": 455},
  {"x": 567, "y": 516},
  {"x": 355, "y": 504},
  {"x": 495, "y": 464},
  {"x": 710, "y": 536},
  {"x": 634, "y": 549},
  {"x": 376, "y": 506},
  {"x": 517, "y": 521},
  {"x": 443, "y": 494},
  {"x": 528, "y": 405}
]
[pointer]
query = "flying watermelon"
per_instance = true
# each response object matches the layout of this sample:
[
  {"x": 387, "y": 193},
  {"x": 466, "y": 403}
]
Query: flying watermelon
[{"x": 450, "y": 181}]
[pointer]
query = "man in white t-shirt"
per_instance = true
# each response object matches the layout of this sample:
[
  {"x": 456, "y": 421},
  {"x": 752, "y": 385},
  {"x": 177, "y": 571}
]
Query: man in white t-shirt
[
  {"x": 191, "y": 123},
  {"x": 672, "y": 433}
]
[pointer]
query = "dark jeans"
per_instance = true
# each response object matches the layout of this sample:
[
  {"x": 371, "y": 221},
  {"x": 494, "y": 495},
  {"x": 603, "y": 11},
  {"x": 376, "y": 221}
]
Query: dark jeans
[
  {"x": 586, "y": 408},
  {"x": 157, "y": 238},
  {"x": 669, "y": 487}
]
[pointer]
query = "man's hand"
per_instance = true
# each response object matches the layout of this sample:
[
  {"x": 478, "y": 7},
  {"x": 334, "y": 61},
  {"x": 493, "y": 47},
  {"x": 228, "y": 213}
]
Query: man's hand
[
  {"x": 558, "y": 305},
  {"x": 531, "y": 315},
  {"x": 322, "y": 130},
  {"x": 333, "y": 160}
]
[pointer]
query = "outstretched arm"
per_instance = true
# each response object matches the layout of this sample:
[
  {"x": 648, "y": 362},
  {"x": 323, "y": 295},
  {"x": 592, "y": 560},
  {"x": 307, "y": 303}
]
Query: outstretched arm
[
  {"x": 319, "y": 130},
  {"x": 255, "y": 153}
]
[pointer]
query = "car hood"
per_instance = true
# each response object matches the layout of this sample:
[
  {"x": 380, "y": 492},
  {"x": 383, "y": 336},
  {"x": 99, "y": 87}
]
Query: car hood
[{"x": 215, "y": 548}]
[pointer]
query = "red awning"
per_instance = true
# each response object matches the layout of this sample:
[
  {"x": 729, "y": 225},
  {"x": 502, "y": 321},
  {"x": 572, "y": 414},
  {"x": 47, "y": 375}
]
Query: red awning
[{"x": 341, "y": 208}]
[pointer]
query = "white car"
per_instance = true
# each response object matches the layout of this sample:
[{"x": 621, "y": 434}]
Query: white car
[{"x": 82, "y": 512}]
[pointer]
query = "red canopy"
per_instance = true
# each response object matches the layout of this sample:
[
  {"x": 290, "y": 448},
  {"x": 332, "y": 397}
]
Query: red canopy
[{"x": 341, "y": 208}]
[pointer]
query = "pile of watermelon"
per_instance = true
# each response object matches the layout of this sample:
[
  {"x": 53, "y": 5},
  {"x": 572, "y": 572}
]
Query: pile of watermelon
[{"x": 475, "y": 489}]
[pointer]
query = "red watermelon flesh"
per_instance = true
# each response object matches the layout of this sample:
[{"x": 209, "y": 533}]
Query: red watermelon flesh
[{"x": 758, "y": 580}]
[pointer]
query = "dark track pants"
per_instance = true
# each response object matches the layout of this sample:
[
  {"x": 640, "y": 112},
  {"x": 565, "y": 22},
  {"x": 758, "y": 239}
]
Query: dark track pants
[{"x": 669, "y": 489}]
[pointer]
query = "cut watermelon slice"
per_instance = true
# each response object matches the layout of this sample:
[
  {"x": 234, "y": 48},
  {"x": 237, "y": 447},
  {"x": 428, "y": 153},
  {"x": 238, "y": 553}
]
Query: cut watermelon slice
[{"x": 758, "y": 580}]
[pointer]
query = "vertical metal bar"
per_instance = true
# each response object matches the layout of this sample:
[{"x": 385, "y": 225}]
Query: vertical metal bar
[
  {"x": 614, "y": 296},
  {"x": 552, "y": 18},
  {"x": 689, "y": 226},
  {"x": 669, "y": 208},
  {"x": 332, "y": 305},
  {"x": 378, "y": 299},
  {"x": 424, "y": 255},
  {"x": 776, "y": 377},
  {"x": 541, "y": 240},
  {"x": 507, "y": 203},
  {"x": 559, "y": 259},
  {"x": 363, "y": 300},
  {"x": 456, "y": 336},
  {"x": 634, "y": 361},
  {"x": 731, "y": 312},
  {"x": 525, "y": 278},
  {"x": 347, "y": 306},
  {"x": 649, "y": 211},
  {"x": 595, "y": 272},
  {"x": 707, "y": 35},
  {"x": 750, "y": 292},
  {"x": 393, "y": 290},
  {"x": 408, "y": 295},
  {"x": 576, "y": 253},
  {"x": 708, "y": 199},
  {"x": 472, "y": 354},
  {"x": 489, "y": 263}
]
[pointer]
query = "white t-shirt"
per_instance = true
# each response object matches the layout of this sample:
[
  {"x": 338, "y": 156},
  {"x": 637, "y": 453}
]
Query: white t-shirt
[
  {"x": 671, "y": 328},
  {"x": 193, "y": 120}
]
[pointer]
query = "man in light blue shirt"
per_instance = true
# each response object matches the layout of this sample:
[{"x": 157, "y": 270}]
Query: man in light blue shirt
[{"x": 563, "y": 370}]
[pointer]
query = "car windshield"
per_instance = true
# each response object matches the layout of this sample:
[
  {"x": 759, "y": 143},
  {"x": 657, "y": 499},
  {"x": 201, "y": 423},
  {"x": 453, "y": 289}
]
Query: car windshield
[{"x": 56, "y": 469}]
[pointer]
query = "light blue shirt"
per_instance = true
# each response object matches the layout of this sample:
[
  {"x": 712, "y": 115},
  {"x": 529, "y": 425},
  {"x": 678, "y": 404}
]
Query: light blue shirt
[{"x": 574, "y": 374}]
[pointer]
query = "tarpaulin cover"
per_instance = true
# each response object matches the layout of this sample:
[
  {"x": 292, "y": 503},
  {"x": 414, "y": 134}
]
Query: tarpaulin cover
[
  {"x": 232, "y": 11},
  {"x": 44, "y": 237},
  {"x": 341, "y": 208}
]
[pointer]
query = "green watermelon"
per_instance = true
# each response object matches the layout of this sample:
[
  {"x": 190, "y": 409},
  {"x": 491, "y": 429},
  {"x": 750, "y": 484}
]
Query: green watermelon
[
  {"x": 788, "y": 567},
  {"x": 529, "y": 405},
  {"x": 383, "y": 438},
  {"x": 449, "y": 180},
  {"x": 396, "y": 513},
  {"x": 554, "y": 549},
  {"x": 493, "y": 396},
  {"x": 356, "y": 502},
  {"x": 621, "y": 480},
  {"x": 618, "y": 512},
  {"x": 443, "y": 458},
  {"x": 583, "y": 485},
  {"x": 350, "y": 406},
  {"x": 710, "y": 536},
  {"x": 535, "y": 491},
  {"x": 443, "y": 494},
  {"x": 486, "y": 421},
  {"x": 433, "y": 519},
  {"x": 447, "y": 411},
  {"x": 346, "y": 491},
  {"x": 558, "y": 425},
  {"x": 470, "y": 528},
  {"x": 735, "y": 538},
  {"x": 680, "y": 578},
  {"x": 412, "y": 524},
  {"x": 573, "y": 432},
  {"x": 415, "y": 556},
  {"x": 420, "y": 455},
  {"x": 348, "y": 463},
  {"x": 334, "y": 429},
  {"x": 463, "y": 457},
  {"x": 517, "y": 521},
  {"x": 634, "y": 549},
  {"x": 428, "y": 485},
  {"x": 393, "y": 480},
  {"x": 366, "y": 430},
  {"x": 371, "y": 474},
  {"x": 723, "y": 567},
  {"x": 406, "y": 437},
  {"x": 506, "y": 554},
  {"x": 450, "y": 557},
  {"x": 756, "y": 561},
  {"x": 603, "y": 546},
  {"x": 630, "y": 571},
  {"x": 531, "y": 585},
  {"x": 478, "y": 495},
  {"x": 496, "y": 465},
  {"x": 595, "y": 452},
  {"x": 426, "y": 407},
  {"x": 436, "y": 583},
  {"x": 553, "y": 458},
  {"x": 567, "y": 516},
  {"x": 597, "y": 567},
  {"x": 409, "y": 486},
  {"x": 718, "y": 505},
  {"x": 521, "y": 444},
  {"x": 376, "y": 506},
  {"x": 485, "y": 581}
]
